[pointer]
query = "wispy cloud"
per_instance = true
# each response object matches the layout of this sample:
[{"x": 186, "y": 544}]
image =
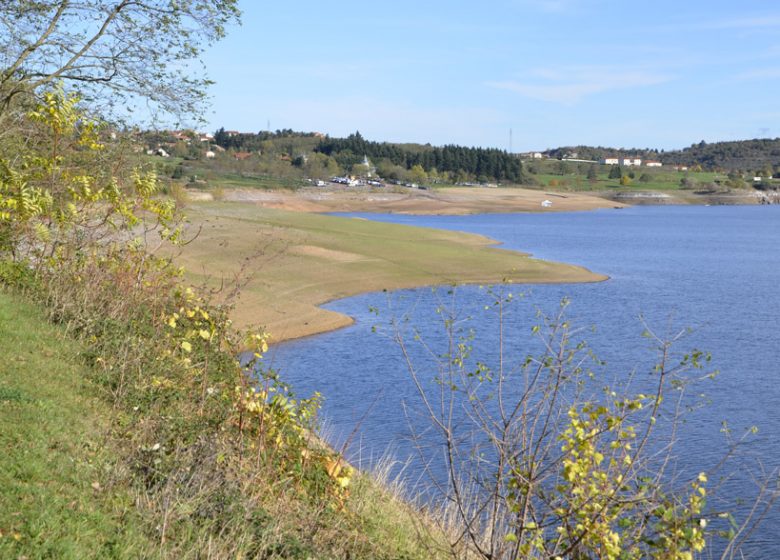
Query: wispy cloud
[
  {"x": 770, "y": 73},
  {"x": 549, "y": 6},
  {"x": 770, "y": 20},
  {"x": 746, "y": 23},
  {"x": 568, "y": 86}
]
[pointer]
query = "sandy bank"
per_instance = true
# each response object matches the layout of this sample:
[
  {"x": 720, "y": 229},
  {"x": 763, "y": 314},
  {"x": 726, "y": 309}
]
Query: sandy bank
[
  {"x": 453, "y": 200},
  {"x": 287, "y": 264}
]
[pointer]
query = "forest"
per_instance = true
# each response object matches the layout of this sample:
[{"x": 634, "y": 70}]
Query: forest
[{"x": 391, "y": 160}]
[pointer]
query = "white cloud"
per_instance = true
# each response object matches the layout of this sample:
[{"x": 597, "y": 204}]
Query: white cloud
[{"x": 568, "y": 86}]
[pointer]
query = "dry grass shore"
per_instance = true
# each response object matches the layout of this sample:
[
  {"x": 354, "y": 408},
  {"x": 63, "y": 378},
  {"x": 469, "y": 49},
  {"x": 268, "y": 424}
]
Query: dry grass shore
[
  {"x": 452, "y": 200},
  {"x": 289, "y": 263}
]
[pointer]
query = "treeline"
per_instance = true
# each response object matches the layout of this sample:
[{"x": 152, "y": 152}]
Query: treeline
[
  {"x": 598, "y": 152},
  {"x": 456, "y": 163},
  {"x": 479, "y": 163},
  {"x": 757, "y": 155},
  {"x": 252, "y": 142}
]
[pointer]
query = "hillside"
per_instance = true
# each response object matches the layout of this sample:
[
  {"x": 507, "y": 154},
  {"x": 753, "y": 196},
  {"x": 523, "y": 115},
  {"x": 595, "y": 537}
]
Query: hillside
[{"x": 755, "y": 156}]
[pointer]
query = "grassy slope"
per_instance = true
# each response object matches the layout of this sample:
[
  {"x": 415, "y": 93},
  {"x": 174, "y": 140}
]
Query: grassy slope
[
  {"x": 57, "y": 500},
  {"x": 300, "y": 261},
  {"x": 51, "y": 426}
]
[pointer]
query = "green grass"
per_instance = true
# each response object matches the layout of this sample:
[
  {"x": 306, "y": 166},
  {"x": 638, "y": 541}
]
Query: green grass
[
  {"x": 56, "y": 500},
  {"x": 662, "y": 180}
]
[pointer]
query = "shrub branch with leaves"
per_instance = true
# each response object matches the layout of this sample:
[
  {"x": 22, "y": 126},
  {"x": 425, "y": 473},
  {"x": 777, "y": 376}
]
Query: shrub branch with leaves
[{"x": 194, "y": 424}]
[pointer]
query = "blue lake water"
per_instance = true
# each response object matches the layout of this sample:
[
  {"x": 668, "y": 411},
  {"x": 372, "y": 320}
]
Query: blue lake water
[{"x": 715, "y": 269}]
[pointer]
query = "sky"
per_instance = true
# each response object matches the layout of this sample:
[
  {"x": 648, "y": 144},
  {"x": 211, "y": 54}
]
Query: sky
[{"x": 662, "y": 74}]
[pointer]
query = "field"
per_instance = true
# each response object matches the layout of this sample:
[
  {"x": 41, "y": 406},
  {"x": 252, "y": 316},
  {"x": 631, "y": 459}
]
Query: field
[{"x": 288, "y": 263}]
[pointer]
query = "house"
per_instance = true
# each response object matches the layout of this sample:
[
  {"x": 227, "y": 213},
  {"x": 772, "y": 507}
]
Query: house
[
  {"x": 653, "y": 163},
  {"x": 609, "y": 161},
  {"x": 630, "y": 161},
  {"x": 231, "y": 133},
  {"x": 680, "y": 167}
]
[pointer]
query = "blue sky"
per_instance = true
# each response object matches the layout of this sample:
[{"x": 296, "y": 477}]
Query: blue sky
[{"x": 656, "y": 74}]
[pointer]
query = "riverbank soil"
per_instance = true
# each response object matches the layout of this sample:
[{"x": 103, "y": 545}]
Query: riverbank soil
[
  {"x": 402, "y": 200},
  {"x": 285, "y": 264}
]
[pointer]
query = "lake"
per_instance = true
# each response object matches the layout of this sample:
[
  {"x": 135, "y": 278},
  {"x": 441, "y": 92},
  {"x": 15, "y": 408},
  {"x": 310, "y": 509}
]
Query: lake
[{"x": 714, "y": 269}]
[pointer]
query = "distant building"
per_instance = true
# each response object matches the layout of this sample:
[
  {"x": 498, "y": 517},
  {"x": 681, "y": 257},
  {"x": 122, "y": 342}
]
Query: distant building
[
  {"x": 609, "y": 161},
  {"x": 654, "y": 164},
  {"x": 630, "y": 161},
  {"x": 680, "y": 167}
]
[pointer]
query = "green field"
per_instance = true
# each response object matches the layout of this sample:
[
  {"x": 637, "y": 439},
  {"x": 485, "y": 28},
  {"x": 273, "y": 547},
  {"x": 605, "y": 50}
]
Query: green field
[{"x": 551, "y": 176}]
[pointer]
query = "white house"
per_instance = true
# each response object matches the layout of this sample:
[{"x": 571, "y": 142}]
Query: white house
[
  {"x": 609, "y": 161},
  {"x": 654, "y": 164},
  {"x": 630, "y": 161}
]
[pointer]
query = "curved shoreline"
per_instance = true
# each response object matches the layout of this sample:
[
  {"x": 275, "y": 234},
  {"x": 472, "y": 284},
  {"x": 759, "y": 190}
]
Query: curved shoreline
[{"x": 289, "y": 264}]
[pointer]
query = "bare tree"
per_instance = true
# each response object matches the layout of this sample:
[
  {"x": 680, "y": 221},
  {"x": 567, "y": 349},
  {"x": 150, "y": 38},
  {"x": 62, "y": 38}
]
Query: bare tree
[
  {"x": 112, "y": 52},
  {"x": 539, "y": 457}
]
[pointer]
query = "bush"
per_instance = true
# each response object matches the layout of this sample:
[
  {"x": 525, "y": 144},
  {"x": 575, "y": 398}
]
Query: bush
[{"x": 546, "y": 460}]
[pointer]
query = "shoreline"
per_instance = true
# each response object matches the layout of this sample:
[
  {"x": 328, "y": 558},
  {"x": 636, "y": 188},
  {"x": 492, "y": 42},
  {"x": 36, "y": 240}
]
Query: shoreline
[
  {"x": 327, "y": 265},
  {"x": 295, "y": 262}
]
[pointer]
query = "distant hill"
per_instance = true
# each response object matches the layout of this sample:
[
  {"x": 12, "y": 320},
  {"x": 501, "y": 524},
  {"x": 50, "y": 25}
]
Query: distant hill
[{"x": 741, "y": 155}]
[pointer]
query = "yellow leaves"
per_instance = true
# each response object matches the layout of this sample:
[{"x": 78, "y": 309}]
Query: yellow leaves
[
  {"x": 204, "y": 334},
  {"x": 186, "y": 346}
]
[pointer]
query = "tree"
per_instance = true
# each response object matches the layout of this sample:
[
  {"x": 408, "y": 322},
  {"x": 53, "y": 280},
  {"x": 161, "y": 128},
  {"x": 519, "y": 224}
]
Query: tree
[
  {"x": 592, "y": 176},
  {"x": 111, "y": 52},
  {"x": 625, "y": 181},
  {"x": 418, "y": 174},
  {"x": 615, "y": 172}
]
